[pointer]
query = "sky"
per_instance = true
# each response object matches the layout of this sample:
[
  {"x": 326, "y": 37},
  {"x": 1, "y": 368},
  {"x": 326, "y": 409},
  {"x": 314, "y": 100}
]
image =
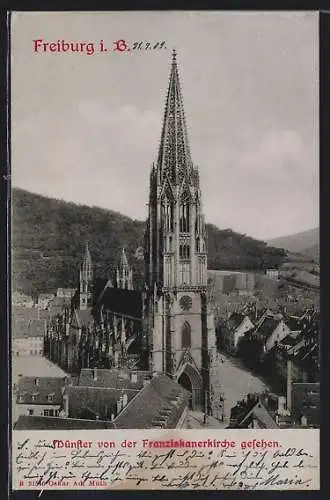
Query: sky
[{"x": 86, "y": 128}]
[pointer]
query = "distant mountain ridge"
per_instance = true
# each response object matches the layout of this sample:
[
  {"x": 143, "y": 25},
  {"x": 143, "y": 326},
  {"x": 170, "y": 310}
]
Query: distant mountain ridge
[
  {"x": 49, "y": 235},
  {"x": 305, "y": 242}
]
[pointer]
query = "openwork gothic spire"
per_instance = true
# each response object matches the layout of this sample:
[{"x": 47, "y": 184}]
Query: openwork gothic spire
[
  {"x": 87, "y": 260},
  {"x": 174, "y": 158}
]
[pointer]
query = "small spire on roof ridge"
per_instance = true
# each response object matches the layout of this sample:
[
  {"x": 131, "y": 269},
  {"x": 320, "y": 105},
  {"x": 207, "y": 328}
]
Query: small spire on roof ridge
[{"x": 174, "y": 55}]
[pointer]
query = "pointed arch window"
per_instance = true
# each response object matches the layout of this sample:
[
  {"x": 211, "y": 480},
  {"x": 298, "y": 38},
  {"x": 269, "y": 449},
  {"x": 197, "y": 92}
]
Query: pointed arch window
[
  {"x": 167, "y": 209},
  {"x": 184, "y": 251},
  {"x": 184, "y": 214},
  {"x": 186, "y": 335}
]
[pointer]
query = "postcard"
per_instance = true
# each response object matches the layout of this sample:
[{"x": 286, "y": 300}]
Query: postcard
[{"x": 165, "y": 250}]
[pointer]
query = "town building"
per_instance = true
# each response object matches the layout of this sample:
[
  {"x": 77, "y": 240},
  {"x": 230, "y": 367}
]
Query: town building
[
  {"x": 38, "y": 396},
  {"x": 258, "y": 411},
  {"x": 161, "y": 403},
  {"x": 238, "y": 325},
  {"x": 179, "y": 321},
  {"x": 306, "y": 403},
  {"x": 272, "y": 274},
  {"x": 42, "y": 423},
  {"x": 28, "y": 336},
  {"x": 271, "y": 330},
  {"x": 65, "y": 293},
  {"x": 45, "y": 299}
]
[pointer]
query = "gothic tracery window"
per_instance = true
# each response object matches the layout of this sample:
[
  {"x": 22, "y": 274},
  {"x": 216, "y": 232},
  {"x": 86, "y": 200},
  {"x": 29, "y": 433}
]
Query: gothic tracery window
[
  {"x": 186, "y": 335},
  {"x": 185, "y": 273},
  {"x": 184, "y": 214},
  {"x": 184, "y": 251}
]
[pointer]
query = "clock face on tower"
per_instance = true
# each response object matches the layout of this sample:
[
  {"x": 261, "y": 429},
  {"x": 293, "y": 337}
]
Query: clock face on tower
[{"x": 185, "y": 303}]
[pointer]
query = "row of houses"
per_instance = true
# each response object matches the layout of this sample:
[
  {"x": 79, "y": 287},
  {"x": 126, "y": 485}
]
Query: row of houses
[
  {"x": 100, "y": 398},
  {"x": 287, "y": 344},
  {"x": 268, "y": 411}
]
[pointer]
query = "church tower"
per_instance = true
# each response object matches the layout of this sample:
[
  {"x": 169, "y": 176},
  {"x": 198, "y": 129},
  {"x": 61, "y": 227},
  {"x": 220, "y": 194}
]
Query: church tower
[
  {"x": 86, "y": 280},
  {"x": 124, "y": 275},
  {"x": 181, "y": 330}
]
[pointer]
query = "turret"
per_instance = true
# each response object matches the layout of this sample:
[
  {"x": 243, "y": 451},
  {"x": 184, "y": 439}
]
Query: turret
[{"x": 124, "y": 274}]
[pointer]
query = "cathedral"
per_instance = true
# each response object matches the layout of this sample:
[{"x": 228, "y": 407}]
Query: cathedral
[
  {"x": 166, "y": 328},
  {"x": 181, "y": 334}
]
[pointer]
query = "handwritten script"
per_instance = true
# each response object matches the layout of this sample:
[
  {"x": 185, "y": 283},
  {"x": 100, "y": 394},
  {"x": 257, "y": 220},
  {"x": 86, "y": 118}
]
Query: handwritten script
[{"x": 41, "y": 463}]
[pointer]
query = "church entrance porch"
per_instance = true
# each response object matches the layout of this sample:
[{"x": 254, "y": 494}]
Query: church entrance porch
[{"x": 191, "y": 380}]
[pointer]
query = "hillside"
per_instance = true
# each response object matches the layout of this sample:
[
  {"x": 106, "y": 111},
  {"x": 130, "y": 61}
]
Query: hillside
[
  {"x": 48, "y": 238},
  {"x": 306, "y": 242}
]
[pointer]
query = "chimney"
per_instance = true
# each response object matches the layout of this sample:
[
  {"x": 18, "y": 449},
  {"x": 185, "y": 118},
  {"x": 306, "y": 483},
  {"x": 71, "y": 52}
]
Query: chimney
[
  {"x": 125, "y": 400},
  {"x": 289, "y": 385},
  {"x": 95, "y": 374},
  {"x": 134, "y": 377}
]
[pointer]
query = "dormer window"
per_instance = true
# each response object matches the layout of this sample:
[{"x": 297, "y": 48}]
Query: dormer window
[
  {"x": 21, "y": 398},
  {"x": 37, "y": 381},
  {"x": 35, "y": 397}
]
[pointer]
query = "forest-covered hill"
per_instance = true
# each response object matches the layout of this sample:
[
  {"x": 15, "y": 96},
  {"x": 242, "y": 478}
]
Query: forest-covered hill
[{"x": 49, "y": 235}]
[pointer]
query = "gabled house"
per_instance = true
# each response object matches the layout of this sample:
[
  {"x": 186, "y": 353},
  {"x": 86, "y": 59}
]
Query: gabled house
[
  {"x": 257, "y": 412},
  {"x": 238, "y": 325},
  {"x": 38, "y": 396},
  {"x": 271, "y": 331},
  {"x": 28, "y": 336}
]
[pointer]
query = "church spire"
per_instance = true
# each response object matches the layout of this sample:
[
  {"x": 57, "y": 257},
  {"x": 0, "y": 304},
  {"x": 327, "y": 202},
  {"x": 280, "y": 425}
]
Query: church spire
[
  {"x": 174, "y": 155},
  {"x": 86, "y": 279},
  {"x": 87, "y": 259}
]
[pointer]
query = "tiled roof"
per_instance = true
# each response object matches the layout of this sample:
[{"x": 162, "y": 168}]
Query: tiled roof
[
  {"x": 20, "y": 313},
  {"x": 306, "y": 353},
  {"x": 253, "y": 409},
  {"x": 61, "y": 302},
  {"x": 67, "y": 292},
  {"x": 159, "y": 404},
  {"x": 268, "y": 325},
  {"x": 112, "y": 378},
  {"x": 39, "y": 390},
  {"x": 30, "y": 328},
  {"x": 46, "y": 296},
  {"x": 26, "y": 422},
  {"x": 259, "y": 413},
  {"x": 93, "y": 402},
  {"x": 126, "y": 302},
  {"x": 37, "y": 328},
  {"x": 235, "y": 320},
  {"x": 294, "y": 323},
  {"x": 290, "y": 340}
]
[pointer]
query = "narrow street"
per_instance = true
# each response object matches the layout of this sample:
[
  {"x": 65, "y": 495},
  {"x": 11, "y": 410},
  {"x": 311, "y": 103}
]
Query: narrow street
[{"x": 231, "y": 378}]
